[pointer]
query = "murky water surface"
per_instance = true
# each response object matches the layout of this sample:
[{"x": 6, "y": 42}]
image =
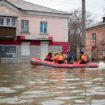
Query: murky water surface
[{"x": 24, "y": 84}]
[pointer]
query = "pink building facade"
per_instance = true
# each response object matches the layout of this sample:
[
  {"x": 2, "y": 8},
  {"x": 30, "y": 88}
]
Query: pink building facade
[
  {"x": 95, "y": 41},
  {"x": 28, "y": 30}
]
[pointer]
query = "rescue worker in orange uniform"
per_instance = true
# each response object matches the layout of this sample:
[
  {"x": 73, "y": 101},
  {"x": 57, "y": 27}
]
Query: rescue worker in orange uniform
[
  {"x": 83, "y": 59},
  {"x": 48, "y": 57},
  {"x": 59, "y": 58},
  {"x": 55, "y": 58}
]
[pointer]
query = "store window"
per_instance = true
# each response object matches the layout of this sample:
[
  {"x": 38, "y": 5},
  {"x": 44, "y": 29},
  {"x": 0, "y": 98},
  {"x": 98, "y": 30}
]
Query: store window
[{"x": 7, "y": 51}]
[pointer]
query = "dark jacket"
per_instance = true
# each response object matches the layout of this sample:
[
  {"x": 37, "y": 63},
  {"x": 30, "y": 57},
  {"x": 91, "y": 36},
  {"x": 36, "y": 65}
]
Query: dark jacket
[{"x": 70, "y": 57}]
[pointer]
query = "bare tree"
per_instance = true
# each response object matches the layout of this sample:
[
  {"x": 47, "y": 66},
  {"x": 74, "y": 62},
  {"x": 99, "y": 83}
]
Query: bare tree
[{"x": 75, "y": 29}]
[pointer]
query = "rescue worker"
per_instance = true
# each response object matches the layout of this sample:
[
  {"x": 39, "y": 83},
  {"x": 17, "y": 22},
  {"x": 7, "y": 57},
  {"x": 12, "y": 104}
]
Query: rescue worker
[
  {"x": 64, "y": 56},
  {"x": 83, "y": 58},
  {"x": 60, "y": 58},
  {"x": 55, "y": 57},
  {"x": 70, "y": 57},
  {"x": 48, "y": 57}
]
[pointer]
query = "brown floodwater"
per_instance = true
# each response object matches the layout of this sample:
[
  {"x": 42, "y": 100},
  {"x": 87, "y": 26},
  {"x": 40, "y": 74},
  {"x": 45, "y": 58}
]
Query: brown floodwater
[{"x": 24, "y": 84}]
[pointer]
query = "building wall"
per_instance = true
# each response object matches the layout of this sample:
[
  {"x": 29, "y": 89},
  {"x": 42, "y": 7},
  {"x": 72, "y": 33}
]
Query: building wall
[
  {"x": 99, "y": 43},
  {"x": 8, "y": 10},
  {"x": 57, "y": 27},
  {"x": 34, "y": 47}
]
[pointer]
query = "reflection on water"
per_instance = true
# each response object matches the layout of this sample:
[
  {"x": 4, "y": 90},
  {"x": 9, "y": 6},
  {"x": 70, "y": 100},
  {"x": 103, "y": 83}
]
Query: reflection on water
[{"x": 24, "y": 84}]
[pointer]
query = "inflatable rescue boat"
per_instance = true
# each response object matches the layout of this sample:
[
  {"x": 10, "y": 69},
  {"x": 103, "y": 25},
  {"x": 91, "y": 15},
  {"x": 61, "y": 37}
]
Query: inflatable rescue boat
[{"x": 40, "y": 62}]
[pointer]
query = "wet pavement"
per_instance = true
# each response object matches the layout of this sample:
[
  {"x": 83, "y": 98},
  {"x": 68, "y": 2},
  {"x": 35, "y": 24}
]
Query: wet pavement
[{"x": 24, "y": 84}]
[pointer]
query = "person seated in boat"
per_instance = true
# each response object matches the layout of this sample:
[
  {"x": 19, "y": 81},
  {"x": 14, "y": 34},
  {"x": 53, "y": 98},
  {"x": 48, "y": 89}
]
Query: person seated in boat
[
  {"x": 64, "y": 56},
  {"x": 49, "y": 57},
  {"x": 70, "y": 57},
  {"x": 55, "y": 57},
  {"x": 60, "y": 58},
  {"x": 83, "y": 58}
]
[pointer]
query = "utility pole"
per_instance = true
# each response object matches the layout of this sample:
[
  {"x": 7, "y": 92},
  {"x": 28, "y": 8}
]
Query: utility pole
[{"x": 83, "y": 26}]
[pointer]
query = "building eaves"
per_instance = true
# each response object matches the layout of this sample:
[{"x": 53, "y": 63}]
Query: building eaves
[
  {"x": 95, "y": 25},
  {"x": 26, "y": 6}
]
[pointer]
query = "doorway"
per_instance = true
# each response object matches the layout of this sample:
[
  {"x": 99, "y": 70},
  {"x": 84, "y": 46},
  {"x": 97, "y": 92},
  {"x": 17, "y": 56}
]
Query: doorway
[{"x": 44, "y": 49}]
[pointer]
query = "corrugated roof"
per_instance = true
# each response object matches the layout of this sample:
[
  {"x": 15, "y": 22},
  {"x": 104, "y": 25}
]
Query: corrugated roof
[
  {"x": 33, "y": 7},
  {"x": 96, "y": 25}
]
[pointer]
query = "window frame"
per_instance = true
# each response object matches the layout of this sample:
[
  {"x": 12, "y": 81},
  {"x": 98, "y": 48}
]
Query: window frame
[
  {"x": 13, "y": 22},
  {"x": 104, "y": 52},
  {"x": 24, "y": 26},
  {"x": 2, "y": 24},
  {"x": 8, "y": 21},
  {"x": 94, "y": 37},
  {"x": 5, "y": 21},
  {"x": 8, "y": 53},
  {"x": 43, "y": 27}
]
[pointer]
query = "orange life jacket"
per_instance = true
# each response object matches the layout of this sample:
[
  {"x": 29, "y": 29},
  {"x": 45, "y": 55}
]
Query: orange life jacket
[
  {"x": 56, "y": 57},
  {"x": 60, "y": 58},
  {"x": 84, "y": 57}
]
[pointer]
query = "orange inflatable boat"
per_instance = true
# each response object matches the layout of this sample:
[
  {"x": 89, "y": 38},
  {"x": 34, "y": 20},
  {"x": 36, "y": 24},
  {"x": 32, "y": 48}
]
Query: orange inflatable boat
[{"x": 39, "y": 62}]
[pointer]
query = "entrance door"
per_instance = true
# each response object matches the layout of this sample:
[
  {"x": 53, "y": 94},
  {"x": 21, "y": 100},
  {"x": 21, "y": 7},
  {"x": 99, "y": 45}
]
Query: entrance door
[
  {"x": 25, "y": 49},
  {"x": 44, "y": 49},
  {"x": 25, "y": 52},
  {"x": 94, "y": 53}
]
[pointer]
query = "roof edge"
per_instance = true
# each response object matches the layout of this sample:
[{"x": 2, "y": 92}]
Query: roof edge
[{"x": 97, "y": 25}]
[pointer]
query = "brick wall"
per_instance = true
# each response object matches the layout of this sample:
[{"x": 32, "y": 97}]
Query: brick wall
[{"x": 100, "y": 41}]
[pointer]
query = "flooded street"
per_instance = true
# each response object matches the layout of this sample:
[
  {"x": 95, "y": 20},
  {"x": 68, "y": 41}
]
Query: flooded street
[{"x": 24, "y": 84}]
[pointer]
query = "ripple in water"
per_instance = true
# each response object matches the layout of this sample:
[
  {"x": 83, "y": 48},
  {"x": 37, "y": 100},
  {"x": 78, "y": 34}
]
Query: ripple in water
[
  {"x": 63, "y": 98},
  {"x": 6, "y": 90},
  {"x": 19, "y": 87},
  {"x": 98, "y": 102},
  {"x": 14, "y": 100},
  {"x": 52, "y": 102}
]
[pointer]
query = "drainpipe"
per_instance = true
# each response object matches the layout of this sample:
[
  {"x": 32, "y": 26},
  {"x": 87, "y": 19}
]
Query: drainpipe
[{"x": 96, "y": 48}]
